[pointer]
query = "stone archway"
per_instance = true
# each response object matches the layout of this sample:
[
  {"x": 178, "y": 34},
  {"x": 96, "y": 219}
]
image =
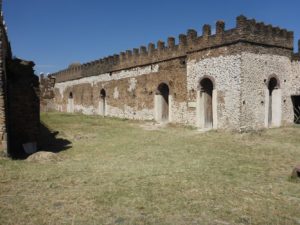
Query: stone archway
[
  {"x": 162, "y": 103},
  {"x": 70, "y": 106},
  {"x": 273, "y": 106},
  {"x": 102, "y": 103}
]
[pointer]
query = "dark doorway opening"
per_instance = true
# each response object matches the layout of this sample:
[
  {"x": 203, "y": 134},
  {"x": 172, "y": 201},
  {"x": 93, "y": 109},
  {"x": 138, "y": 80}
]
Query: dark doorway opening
[{"x": 296, "y": 105}]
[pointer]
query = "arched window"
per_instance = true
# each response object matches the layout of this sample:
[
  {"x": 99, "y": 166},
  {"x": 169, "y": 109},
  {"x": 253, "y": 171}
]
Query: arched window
[{"x": 71, "y": 95}]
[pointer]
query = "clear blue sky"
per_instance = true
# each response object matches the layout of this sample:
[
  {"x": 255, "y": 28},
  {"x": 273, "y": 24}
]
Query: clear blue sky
[{"x": 55, "y": 33}]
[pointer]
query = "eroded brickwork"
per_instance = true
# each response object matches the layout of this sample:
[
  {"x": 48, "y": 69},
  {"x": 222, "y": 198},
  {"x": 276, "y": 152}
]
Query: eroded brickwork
[{"x": 19, "y": 100}]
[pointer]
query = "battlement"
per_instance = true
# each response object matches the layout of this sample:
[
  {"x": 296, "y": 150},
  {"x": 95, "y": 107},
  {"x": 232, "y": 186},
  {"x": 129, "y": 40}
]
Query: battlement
[{"x": 246, "y": 30}]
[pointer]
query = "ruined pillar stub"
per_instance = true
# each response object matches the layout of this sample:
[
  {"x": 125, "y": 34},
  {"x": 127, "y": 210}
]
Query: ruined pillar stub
[
  {"x": 182, "y": 39},
  {"x": 160, "y": 45},
  {"x": 135, "y": 51},
  {"x": 191, "y": 34},
  {"x": 151, "y": 48},
  {"x": 220, "y": 27},
  {"x": 143, "y": 50},
  {"x": 241, "y": 21},
  {"x": 171, "y": 42},
  {"x": 206, "y": 30}
]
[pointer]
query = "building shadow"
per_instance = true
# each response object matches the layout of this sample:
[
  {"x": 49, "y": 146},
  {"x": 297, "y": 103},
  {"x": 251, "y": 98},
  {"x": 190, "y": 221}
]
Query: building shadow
[{"x": 49, "y": 141}]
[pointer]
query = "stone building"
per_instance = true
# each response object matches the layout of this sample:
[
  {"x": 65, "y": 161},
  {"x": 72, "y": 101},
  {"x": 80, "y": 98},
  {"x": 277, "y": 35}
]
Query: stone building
[
  {"x": 19, "y": 100},
  {"x": 243, "y": 78}
]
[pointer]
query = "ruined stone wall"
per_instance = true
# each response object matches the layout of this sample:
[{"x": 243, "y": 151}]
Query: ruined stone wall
[
  {"x": 129, "y": 93},
  {"x": 19, "y": 100},
  {"x": 238, "y": 61},
  {"x": 5, "y": 55},
  {"x": 22, "y": 106},
  {"x": 47, "y": 93},
  {"x": 246, "y": 31}
]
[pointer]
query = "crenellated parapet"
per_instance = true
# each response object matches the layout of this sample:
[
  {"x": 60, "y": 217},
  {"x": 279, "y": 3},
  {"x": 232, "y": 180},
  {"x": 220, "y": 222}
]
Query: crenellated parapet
[
  {"x": 246, "y": 30},
  {"x": 252, "y": 31}
]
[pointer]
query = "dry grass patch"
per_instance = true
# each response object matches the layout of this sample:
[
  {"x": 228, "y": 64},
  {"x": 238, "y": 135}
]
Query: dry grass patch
[{"x": 119, "y": 173}]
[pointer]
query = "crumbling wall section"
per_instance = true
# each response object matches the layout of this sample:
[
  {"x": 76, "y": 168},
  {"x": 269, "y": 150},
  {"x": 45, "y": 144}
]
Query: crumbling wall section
[
  {"x": 47, "y": 93},
  {"x": 19, "y": 100},
  {"x": 22, "y": 106},
  {"x": 5, "y": 55}
]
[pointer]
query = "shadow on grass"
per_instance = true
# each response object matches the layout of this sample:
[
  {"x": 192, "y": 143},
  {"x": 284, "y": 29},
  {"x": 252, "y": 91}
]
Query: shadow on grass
[{"x": 49, "y": 142}]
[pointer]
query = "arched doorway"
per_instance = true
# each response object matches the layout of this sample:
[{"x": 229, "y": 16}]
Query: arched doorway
[
  {"x": 274, "y": 103},
  {"x": 70, "y": 106},
  {"x": 296, "y": 104},
  {"x": 206, "y": 96},
  {"x": 102, "y": 102},
  {"x": 162, "y": 103}
]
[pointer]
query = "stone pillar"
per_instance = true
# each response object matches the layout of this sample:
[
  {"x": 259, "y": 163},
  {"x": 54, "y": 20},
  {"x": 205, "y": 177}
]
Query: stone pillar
[
  {"x": 276, "y": 108},
  {"x": 199, "y": 111},
  {"x": 266, "y": 107},
  {"x": 170, "y": 108},
  {"x": 70, "y": 106},
  {"x": 158, "y": 102},
  {"x": 215, "y": 108}
]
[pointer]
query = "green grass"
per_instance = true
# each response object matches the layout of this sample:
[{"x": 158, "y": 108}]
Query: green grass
[{"x": 119, "y": 173}]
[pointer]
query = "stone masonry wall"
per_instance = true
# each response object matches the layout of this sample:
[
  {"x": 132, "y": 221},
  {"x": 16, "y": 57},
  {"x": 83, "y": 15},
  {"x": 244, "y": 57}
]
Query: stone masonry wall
[
  {"x": 257, "y": 69},
  {"x": 246, "y": 31},
  {"x": 239, "y": 62},
  {"x": 225, "y": 72},
  {"x": 19, "y": 100},
  {"x": 22, "y": 106},
  {"x": 5, "y": 54},
  {"x": 296, "y": 77},
  {"x": 129, "y": 93}
]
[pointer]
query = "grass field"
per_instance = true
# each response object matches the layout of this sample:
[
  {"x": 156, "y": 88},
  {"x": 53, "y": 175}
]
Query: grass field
[{"x": 125, "y": 172}]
